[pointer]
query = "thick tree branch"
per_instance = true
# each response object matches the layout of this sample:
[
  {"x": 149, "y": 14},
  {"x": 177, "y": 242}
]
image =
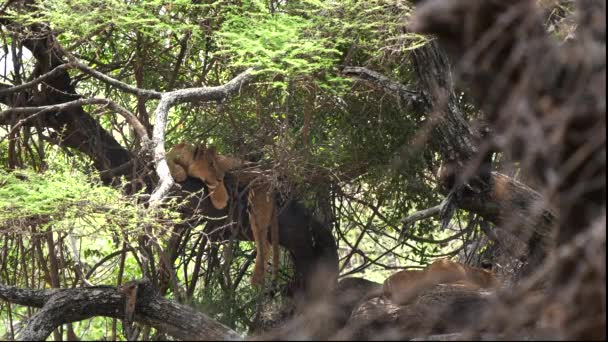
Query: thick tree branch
[
  {"x": 546, "y": 103},
  {"x": 529, "y": 87},
  {"x": 503, "y": 199},
  {"x": 79, "y": 130},
  {"x": 27, "y": 297},
  {"x": 71, "y": 305},
  {"x": 49, "y": 75}
]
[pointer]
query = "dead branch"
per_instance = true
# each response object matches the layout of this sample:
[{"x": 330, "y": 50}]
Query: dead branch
[{"x": 145, "y": 93}]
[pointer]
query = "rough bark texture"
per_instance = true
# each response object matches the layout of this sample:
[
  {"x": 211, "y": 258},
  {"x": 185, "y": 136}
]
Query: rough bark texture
[
  {"x": 72, "y": 305},
  {"x": 521, "y": 79},
  {"x": 321, "y": 318},
  {"x": 452, "y": 134},
  {"x": 442, "y": 309}
]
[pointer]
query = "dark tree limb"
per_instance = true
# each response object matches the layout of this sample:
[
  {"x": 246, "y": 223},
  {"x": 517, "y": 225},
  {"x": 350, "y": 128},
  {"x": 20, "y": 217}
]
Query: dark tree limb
[
  {"x": 442, "y": 309},
  {"x": 49, "y": 75},
  {"x": 547, "y": 104},
  {"x": 80, "y": 130},
  {"x": 451, "y": 134},
  {"x": 500, "y": 200},
  {"x": 408, "y": 96},
  {"x": 311, "y": 244},
  {"x": 72, "y": 305},
  {"x": 321, "y": 319}
]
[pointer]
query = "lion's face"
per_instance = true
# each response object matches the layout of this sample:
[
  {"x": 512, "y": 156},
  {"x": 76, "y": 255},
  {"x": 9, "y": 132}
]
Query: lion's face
[{"x": 205, "y": 166}]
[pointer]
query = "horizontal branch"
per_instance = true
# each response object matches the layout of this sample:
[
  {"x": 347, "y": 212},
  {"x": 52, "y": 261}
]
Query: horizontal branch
[
  {"x": 140, "y": 130},
  {"x": 72, "y": 305},
  {"x": 421, "y": 215},
  {"x": 27, "y": 297},
  {"x": 392, "y": 87},
  {"x": 53, "y": 73},
  {"x": 152, "y": 94},
  {"x": 510, "y": 201}
]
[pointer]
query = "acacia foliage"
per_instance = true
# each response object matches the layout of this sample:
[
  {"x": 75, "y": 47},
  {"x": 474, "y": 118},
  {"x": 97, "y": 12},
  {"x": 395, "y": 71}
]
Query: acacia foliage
[{"x": 343, "y": 147}]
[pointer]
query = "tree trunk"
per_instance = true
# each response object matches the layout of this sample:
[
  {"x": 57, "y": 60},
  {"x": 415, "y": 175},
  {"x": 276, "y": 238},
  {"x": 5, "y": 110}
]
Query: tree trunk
[
  {"x": 79, "y": 130},
  {"x": 548, "y": 104},
  {"x": 528, "y": 82}
]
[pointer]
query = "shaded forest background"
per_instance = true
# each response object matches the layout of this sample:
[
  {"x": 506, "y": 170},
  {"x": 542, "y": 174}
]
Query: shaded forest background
[{"x": 394, "y": 134}]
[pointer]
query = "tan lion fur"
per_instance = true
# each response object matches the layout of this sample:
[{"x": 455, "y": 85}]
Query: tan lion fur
[
  {"x": 404, "y": 286},
  {"x": 201, "y": 162},
  {"x": 204, "y": 163}
]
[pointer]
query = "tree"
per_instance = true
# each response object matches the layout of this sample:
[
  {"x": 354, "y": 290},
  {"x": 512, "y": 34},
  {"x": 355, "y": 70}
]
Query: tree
[{"x": 349, "y": 112}]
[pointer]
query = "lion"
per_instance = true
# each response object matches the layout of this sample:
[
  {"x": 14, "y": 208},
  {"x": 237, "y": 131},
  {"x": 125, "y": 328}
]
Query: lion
[
  {"x": 206, "y": 164},
  {"x": 404, "y": 286}
]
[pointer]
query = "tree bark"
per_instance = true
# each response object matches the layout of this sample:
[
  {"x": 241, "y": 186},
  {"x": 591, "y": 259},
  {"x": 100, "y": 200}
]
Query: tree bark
[
  {"x": 547, "y": 103},
  {"x": 321, "y": 319},
  {"x": 72, "y": 305},
  {"x": 80, "y": 130},
  {"x": 442, "y": 309}
]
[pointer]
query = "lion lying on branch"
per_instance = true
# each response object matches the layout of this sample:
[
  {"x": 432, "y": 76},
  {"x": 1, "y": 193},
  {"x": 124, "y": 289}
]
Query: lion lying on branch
[
  {"x": 206, "y": 164},
  {"x": 403, "y": 286}
]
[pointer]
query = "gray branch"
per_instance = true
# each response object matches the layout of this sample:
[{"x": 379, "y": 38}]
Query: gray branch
[
  {"x": 55, "y": 72},
  {"x": 167, "y": 101},
  {"x": 389, "y": 86},
  {"x": 72, "y": 305}
]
